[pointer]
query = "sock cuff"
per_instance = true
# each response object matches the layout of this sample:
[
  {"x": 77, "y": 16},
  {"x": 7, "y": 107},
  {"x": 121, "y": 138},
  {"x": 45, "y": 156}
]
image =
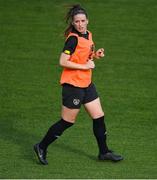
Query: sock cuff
[
  {"x": 66, "y": 123},
  {"x": 99, "y": 119},
  {"x": 99, "y": 122}
]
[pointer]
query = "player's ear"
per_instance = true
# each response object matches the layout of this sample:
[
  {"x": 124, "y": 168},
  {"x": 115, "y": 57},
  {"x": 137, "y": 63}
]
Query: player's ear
[{"x": 87, "y": 21}]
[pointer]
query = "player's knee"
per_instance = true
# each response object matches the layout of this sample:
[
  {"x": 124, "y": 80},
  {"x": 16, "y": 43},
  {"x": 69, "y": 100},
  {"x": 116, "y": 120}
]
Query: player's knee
[
  {"x": 70, "y": 119},
  {"x": 98, "y": 115},
  {"x": 69, "y": 115}
]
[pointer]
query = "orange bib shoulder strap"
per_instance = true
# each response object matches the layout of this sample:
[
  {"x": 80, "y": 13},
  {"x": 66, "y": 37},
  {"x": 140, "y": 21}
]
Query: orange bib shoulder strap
[{"x": 72, "y": 34}]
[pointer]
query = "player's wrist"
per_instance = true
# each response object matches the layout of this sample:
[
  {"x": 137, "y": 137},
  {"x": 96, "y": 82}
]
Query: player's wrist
[{"x": 96, "y": 56}]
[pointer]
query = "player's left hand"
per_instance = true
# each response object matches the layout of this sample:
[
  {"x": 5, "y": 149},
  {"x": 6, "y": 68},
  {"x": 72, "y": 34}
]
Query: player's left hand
[{"x": 100, "y": 53}]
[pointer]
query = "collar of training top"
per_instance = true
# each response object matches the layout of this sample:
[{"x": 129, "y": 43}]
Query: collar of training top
[{"x": 79, "y": 34}]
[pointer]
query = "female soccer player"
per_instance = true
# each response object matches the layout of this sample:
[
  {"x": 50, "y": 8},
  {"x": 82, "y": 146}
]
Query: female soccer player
[{"x": 77, "y": 87}]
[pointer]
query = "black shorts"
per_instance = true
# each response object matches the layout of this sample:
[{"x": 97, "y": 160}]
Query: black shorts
[{"x": 73, "y": 97}]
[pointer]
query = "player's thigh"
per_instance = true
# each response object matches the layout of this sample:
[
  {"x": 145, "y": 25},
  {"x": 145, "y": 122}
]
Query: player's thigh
[
  {"x": 69, "y": 114},
  {"x": 94, "y": 108}
]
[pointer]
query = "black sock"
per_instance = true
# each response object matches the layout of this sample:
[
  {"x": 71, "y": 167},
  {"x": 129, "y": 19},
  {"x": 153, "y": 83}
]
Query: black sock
[
  {"x": 54, "y": 132},
  {"x": 99, "y": 130}
]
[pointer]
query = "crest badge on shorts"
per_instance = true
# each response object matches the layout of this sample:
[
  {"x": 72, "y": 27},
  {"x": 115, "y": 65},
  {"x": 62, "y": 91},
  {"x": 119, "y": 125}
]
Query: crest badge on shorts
[{"x": 76, "y": 102}]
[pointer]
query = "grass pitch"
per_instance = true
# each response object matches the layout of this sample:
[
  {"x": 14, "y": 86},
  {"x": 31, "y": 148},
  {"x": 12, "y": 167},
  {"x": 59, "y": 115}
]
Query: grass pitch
[{"x": 30, "y": 94}]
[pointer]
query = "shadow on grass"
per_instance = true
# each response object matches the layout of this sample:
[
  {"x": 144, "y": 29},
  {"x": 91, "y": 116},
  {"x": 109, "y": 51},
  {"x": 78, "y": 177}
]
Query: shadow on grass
[
  {"x": 66, "y": 147},
  {"x": 12, "y": 134}
]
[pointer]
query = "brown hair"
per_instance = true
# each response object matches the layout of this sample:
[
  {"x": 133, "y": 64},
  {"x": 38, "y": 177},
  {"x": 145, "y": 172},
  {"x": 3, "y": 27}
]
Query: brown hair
[{"x": 73, "y": 10}]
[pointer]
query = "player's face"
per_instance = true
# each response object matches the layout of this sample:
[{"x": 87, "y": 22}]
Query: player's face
[{"x": 80, "y": 22}]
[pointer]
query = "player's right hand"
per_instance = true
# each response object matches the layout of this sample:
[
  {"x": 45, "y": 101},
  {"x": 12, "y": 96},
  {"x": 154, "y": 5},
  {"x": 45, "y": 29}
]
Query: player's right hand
[{"x": 90, "y": 64}]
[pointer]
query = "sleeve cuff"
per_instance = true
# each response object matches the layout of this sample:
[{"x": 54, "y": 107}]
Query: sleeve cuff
[{"x": 67, "y": 52}]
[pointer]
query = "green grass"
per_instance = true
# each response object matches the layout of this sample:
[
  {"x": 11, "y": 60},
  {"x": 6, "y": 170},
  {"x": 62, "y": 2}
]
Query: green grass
[{"x": 30, "y": 95}]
